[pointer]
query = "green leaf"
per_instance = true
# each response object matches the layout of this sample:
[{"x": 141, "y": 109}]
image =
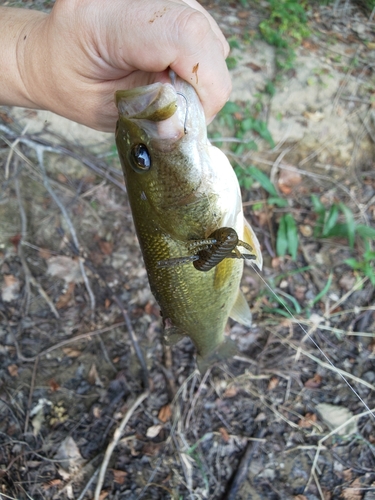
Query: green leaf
[
  {"x": 318, "y": 205},
  {"x": 292, "y": 235},
  {"x": 282, "y": 238},
  {"x": 351, "y": 226},
  {"x": 276, "y": 200},
  {"x": 324, "y": 291},
  {"x": 263, "y": 180},
  {"x": 247, "y": 124},
  {"x": 330, "y": 220},
  {"x": 229, "y": 108},
  {"x": 366, "y": 231}
]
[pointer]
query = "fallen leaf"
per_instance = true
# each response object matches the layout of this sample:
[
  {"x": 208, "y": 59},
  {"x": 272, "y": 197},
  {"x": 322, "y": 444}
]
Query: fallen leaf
[
  {"x": 224, "y": 434},
  {"x": 51, "y": 484},
  {"x": 13, "y": 370},
  {"x": 15, "y": 240},
  {"x": 53, "y": 385},
  {"x": 68, "y": 455},
  {"x": 165, "y": 413},
  {"x": 119, "y": 476},
  {"x": 93, "y": 376},
  {"x": 273, "y": 383},
  {"x": 314, "y": 382},
  {"x": 307, "y": 421},
  {"x": 44, "y": 253},
  {"x": 288, "y": 179},
  {"x": 10, "y": 288},
  {"x": 315, "y": 117},
  {"x": 354, "y": 492},
  {"x": 254, "y": 67},
  {"x": 154, "y": 430},
  {"x": 64, "y": 299},
  {"x": 336, "y": 416},
  {"x": 38, "y": 421},
  {"x": 71, "y": 353},
  {"x": 66, "y": 268},
  {"x": 230, "y": 392},
  {"x": 106, "y": 247},
  {"x": 305, "y": 230},
  {"x": 103, "y": 495}
]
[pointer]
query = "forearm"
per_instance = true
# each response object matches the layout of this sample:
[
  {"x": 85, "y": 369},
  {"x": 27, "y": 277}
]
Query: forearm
[{"x": 17, "y": 27}]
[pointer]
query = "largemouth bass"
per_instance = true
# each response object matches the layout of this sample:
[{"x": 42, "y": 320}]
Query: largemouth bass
[{"x": 187, "y": 210}]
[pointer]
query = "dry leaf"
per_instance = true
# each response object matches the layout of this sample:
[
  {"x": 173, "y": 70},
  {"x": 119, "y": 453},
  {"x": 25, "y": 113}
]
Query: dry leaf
[
  {"x": 15, "y": 240},
  {"x": 314, "y": 383},
  {"x": 273, "y": 383},
  {"x": 315, "y": 117},
  {"x": 354, "y": 492},
  {"x": 224, "y": 434},
  {"x": 51, "y": 484},
  {"x": 44, "y": 253},
  {"x": 65, "y": 268},
  {"x": 53, "y": 385},
  {"x": 10, "y": 288},
  {"x": 71, "y": 353},
  {"x": 119, "y": 476},
  {"x": 103, "y": 495},
  {"x": 336, "y": 416},
  {"x": 299, "y": 497},
  {"x": 13, "y": 370},
  {"x": 93, "y": 376},
  {"x": 68, "y": 454},
  {"x": 65, "y": 297},
  {"x": 106, "y": 247},
  {"x": 308, "y": 420},
  {"x": 288, "y": 179},
  {"x": 230, "y": 392},
  {"x": 305, "y": 230},
  {"x": 154, "y": 430},
  {"x": 165, "y": 413}
]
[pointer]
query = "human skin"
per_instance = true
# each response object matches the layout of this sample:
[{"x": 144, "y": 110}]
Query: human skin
[{"x": 72, "y": 60}]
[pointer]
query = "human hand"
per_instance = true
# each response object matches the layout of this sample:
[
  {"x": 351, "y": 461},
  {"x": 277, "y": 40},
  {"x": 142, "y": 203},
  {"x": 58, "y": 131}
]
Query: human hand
[{"x": 74, "y": 59}]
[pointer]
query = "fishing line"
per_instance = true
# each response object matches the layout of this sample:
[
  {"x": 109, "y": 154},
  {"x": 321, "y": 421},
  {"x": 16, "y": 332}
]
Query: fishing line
[
  {"x": 186, "y": 112},
  {"x": 315, "y": 343}
]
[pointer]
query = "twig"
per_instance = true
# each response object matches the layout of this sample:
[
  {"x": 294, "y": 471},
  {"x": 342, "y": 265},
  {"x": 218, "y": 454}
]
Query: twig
[
  {"x": 116, "y": 438},
  {"x": 33, "y": 376},
  {"x": 67, "y": 341},
  {"x": 29, "y": 278},
  {"x": 243, "y": 467},
  {"x": 83, "y": 492},
  {"x": 133, "y": 337},
  {"x": 333, "y": 368},
  {"x": 334, "y": 431},
  {"x": 40, "y": 153}
]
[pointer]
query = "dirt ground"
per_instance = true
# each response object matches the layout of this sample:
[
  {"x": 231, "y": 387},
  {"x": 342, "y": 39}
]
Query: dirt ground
[{"x": 289, "y": 417}]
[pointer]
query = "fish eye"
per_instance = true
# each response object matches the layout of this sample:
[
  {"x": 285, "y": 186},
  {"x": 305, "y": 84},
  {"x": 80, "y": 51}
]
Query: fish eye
[{"x": 141, "y": 158}]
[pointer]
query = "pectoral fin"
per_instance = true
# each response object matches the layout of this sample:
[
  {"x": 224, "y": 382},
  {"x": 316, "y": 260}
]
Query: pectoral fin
[
  {"x": 241, "y": 311},
  {"x": 172, "y": 334},
  {"x": 250, "y": 238}
]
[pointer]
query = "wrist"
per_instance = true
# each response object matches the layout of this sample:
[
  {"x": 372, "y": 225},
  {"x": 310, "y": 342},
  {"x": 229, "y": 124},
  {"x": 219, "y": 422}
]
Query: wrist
[{"x": 16, "y": 27}]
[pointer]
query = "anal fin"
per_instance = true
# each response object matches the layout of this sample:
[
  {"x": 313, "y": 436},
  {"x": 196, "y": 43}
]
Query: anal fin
[{"x": 241, "y": 311}]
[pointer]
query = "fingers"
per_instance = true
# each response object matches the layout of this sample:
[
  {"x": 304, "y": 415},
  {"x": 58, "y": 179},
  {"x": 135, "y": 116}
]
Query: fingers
[{"x": 179, "y": 35}]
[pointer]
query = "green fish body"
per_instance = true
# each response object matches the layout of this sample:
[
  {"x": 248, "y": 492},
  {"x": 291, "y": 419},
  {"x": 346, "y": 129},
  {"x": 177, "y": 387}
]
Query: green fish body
[{"x": 181, "y": 189}]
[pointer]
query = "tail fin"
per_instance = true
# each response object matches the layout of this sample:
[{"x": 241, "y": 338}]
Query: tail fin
[{"x": 225, "y": 350}]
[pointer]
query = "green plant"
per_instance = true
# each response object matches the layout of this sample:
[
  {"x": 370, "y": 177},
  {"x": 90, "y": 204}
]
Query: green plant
[
  {"x": 244, "y": 125},
  {"x": 285, "y": 28},
  {"x": 327, "y": 226},
  {"x": 287, "y": 235}
]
